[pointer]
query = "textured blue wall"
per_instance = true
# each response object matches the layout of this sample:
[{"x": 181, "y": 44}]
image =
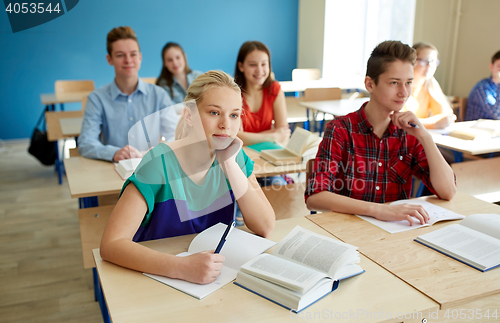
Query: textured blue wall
[{"x": 73, "y": 46}]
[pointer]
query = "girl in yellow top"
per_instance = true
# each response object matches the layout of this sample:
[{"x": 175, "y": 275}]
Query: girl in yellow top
[{"x": 427, "y": 100}]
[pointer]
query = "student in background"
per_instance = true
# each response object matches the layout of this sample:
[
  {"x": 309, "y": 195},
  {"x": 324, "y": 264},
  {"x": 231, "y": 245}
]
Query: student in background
[
  {"x": 369, "y": 156},
  {"x": 113, "y": 109},
  {"x": 161, "y": 199},
  {"x": 427, "y": 100},
  {"x": 263, "y": 99},
  {"x": 484, "y": 99},
  {"x": 175, "y": 76}
]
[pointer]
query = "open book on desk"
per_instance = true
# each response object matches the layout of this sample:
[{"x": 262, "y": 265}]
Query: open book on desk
[
  {"x": 303, "y": 268},
  {"x": 301, "y": 143},
  {"x": 481, "y": 129},
  {"x": 436, "y": 214},
  {"x": 240, "y": 246},
  {"x": 126, "y": 167},
  {"x": 475, "y": 241}
]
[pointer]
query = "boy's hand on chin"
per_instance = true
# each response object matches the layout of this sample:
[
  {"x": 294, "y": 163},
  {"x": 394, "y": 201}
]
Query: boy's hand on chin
[{"x": 405, "y": 120}]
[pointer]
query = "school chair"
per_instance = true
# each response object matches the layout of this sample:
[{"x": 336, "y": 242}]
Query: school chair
[
  {"x": 54, "y": 130},
  {"x": 321, "y": 94},
  {"x": 70, "y": 86},
  {"x": 150, "y": 80},
  {"x": 459, "y": 106},
  {"x": 287, "y": 200},
  {"x": 479, "y": 178},
  {"x": 295, "y": 112},
  {"x": 92, "y": 224}
]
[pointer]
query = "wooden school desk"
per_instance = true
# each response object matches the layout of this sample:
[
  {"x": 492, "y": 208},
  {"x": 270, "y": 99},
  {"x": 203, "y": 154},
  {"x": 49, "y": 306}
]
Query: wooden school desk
[
  {"x": 336, "y": 107},
  {"x": 449, "y": 282},
  {"x": 301, "y": 86},
  {"x": 90, "y": 177},
  {"x": 51, "y": 99},
  {"x": 263, "y": 168},
  {"x": 54, "y": 131},
  {"x": 62, "y": 125},
  {"x": 472, "y": 147},
  {"x": 133, "y": 297}
]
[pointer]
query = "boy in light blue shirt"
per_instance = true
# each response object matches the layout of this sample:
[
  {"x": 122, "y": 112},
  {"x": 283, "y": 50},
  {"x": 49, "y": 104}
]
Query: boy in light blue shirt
[{"x": 108, "y": 130}]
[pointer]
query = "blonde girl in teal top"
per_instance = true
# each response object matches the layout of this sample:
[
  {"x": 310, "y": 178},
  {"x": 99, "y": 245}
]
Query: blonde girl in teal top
[{"x": 187, "y": 185}]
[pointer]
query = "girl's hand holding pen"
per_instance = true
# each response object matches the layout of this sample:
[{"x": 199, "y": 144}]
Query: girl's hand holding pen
[{"x": 200, "y": 268}]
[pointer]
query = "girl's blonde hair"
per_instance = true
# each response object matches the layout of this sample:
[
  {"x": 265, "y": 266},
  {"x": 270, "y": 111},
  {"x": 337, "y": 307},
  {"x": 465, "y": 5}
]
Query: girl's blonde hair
[{"x": 196, "y": 90}]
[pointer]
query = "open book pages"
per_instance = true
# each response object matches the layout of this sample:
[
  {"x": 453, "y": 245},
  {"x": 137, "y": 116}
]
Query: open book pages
[
  {"x": 283, "y": 296},
  {"x": 301, "y": 269},
  {"x": 475, "y": 241},
  {"x": 301, "y": 143},
  {"x": 490, "y": 126},
  {"x": 240, "y": 247},
  {"x": 479, "y": 130},
  {"x": 319, "y": 252},
  {"x": 436, "y": 214},
  {"x": 126, "y": 167}
]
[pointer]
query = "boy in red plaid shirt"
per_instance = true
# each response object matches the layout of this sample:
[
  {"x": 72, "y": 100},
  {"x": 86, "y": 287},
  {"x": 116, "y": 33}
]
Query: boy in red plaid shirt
[{"x": 369, "y": 156}]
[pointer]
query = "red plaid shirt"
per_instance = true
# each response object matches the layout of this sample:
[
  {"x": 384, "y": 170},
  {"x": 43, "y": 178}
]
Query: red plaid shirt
[{"x": 355, "y": 162}]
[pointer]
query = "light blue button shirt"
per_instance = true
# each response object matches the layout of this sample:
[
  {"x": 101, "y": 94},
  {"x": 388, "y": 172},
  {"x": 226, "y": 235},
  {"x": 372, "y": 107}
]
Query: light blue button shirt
[
  {"x": 179, "y": 92},
  {"x": 113, "y": 119}
]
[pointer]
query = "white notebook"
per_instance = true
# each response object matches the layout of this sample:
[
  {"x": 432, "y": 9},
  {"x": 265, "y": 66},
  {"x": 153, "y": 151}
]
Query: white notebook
[{"x": 436, "y": 214}]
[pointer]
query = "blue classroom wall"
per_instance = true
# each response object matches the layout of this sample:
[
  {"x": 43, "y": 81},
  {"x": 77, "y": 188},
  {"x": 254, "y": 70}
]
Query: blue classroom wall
[{"x": 73, "y": 46}]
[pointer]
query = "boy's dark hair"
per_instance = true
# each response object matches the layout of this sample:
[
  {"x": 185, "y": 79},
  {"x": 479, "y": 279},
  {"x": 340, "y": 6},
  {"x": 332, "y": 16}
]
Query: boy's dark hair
[
  {"x": 495, "y": 57},
  {"x": 120, "y": 33},
  {"x": 388, "y": 52}
]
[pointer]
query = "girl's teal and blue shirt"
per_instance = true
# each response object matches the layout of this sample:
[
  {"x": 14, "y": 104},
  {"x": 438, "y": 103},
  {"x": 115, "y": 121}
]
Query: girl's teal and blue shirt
[{"x": 176, "y": 204}]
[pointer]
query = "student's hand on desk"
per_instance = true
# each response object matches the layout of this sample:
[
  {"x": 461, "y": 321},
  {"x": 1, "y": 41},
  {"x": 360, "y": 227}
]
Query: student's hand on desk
[
  {"x": 402, "y": 212},
  {"x": 201, "y": 268},
  {"x": 282, "y": 134},
  {"x": 127, "y": 152}
]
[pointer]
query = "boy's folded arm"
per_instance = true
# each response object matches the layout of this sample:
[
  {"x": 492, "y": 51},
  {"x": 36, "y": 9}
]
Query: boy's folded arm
[
  {"x": 328, "y": 201},
  {"x": 441, "y": 175}
]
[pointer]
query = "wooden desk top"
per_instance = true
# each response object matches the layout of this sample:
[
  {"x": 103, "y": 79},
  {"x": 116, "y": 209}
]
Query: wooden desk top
[
  {"x": 472, "y": 147},
  {"x": 300, "y": 86},
  {"x": 90, "y": 177},
  {"x": 262, "y": 168},
  {"x": 336, "y": 107},
  {"x": 56, "y": 98},
  {"x": 445, "y": 280},
  {"x": 133, "y": 297}
]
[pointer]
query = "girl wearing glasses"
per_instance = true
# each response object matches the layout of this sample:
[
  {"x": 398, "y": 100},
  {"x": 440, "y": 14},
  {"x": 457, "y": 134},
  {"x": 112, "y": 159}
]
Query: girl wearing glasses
[{"x": 427, "y": 100}]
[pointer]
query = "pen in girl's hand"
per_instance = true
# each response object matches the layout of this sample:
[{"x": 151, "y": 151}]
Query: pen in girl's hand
[
  {"x": 414, "y": 125},
  {"x": 224, "y": 237}
]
